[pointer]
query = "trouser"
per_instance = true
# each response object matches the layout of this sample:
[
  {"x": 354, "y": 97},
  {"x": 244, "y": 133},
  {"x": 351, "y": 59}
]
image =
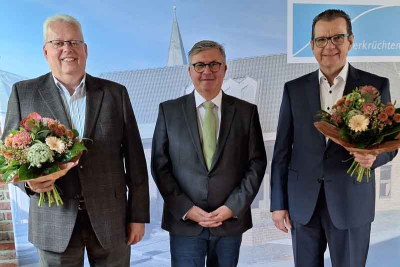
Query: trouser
[
  {"x": 192, "y": 251},
  {"x": 83, "y": 237},
  {"x": 347, "y": 247}
]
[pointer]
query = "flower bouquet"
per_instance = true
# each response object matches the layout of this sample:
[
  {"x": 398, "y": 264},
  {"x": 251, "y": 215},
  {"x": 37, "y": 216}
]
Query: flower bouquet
[
  {"x": 42, "y": 149},
  {"x": 361, "y": 123}
]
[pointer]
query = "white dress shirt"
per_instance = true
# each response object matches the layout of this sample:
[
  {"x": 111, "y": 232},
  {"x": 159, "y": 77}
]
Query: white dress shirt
[
  {"x": 329, "y": 95},
  {"x": 74, "y": 105}
]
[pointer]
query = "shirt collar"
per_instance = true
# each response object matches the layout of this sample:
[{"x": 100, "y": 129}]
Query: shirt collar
[
  {"x": 200, "y": 100},
  {"x": 342, "y": 74},
  {"x": 79, "y": 89}
]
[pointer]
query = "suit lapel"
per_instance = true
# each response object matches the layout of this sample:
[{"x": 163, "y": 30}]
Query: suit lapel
[
  {"x": 94, "y": 99},
  {"x": 227, "y": 115},
  {"x": 352, "y": 81},
  {"x": 189, "y": 110},
  {"x": 52, "y": 99},
  {"x": 314, "y": 99}
]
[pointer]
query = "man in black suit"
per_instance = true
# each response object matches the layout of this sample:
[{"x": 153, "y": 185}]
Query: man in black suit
[
  {"x": 98, "y": 215},
  {"x": 208, "y": 161},
  {"x": 311, "y": 193}
]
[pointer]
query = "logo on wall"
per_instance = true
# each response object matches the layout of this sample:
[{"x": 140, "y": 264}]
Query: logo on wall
[{"x": 375, "y": 27}]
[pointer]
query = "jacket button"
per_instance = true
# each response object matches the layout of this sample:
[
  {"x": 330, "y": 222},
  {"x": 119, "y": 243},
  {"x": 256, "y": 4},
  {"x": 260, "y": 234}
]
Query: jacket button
[{"x": 81, "y": 167}]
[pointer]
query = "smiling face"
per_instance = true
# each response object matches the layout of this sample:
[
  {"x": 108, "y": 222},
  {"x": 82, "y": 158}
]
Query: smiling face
[
  {"x": 66, "y": 63},
  {"x": 207, "y": 83},
  {"x": 331, "y": 58}
]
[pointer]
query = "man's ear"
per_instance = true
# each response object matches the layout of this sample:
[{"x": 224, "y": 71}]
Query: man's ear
[
  {"x": 45, "y": 51},
  {"x": 351, "y": 41}
]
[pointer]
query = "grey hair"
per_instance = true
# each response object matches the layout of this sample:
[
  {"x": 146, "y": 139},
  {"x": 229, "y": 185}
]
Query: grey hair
[
  {"x": 63, "y": 18},
  {"x": 206, "y": 45}
]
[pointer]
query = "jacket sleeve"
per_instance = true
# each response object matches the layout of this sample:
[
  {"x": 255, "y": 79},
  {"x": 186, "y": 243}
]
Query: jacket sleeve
[
  {"x": 135, "y": 165},
  {"x": 384, "y": 158},
  {"x": 282, "y": 155},
  {"x": 13, "y": 118},
  {"x": 240, "y": 199},
  {"x": 176, "y": 201}
]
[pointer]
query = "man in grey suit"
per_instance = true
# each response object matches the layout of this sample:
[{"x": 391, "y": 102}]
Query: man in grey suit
[
  {"x": 208, "y": 161},
  {"x": 97, "y": 214},
  {"x": 311, "y": 192}
]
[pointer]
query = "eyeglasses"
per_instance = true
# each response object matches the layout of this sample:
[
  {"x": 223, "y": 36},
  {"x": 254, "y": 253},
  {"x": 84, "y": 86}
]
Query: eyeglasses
[
  {"x": 337, "y": 39},
  {"x": 60, "y": 43},
  {"x": 213, "y": 66}
]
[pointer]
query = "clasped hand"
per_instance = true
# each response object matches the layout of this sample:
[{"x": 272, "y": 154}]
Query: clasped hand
[{"x": 209, "y": 219}]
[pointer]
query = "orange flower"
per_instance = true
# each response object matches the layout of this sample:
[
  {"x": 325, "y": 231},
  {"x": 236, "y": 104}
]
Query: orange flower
[
  {"x": 389, "y": 110},
  {"x": 9, "y": 140},
  {"x": 52, "y": 126},
  {"x": 8, "y": 154},
  {"x": 340, "y": 101},
  {"x": 70, "y": 134},
  {"x": 60, "y": 131},
  {"x": 396, "y": 117},
  {"x": 383, "y": 116},
  {"x": 62, "y": 128}
]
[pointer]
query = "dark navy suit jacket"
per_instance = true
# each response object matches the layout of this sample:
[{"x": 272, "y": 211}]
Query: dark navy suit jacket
[{"x": 302, "y": 156}]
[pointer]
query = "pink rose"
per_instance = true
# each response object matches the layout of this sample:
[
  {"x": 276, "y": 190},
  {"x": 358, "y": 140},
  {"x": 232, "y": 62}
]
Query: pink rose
[
  {"x": 48, "y": 121},
  {"x": 30, "y": 121},
  {"x": 369, "y": 91},
  {"x": 336, "y": 118},
  {"x": 368, "y": 108},
  {"x": 21, "y": 140}
]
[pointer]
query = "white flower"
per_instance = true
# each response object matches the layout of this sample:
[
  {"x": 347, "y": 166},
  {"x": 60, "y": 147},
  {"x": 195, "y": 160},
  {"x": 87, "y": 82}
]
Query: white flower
[
  {"x": 55, "y": 144},
  {"x": 358, "y": 123},
  {"x": 39, "y": 153}
]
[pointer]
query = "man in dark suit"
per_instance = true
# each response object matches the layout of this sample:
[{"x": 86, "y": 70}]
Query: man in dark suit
[
  {"x": 208, "y": 161},
  {"x": 96, "y": 215},
  {"x": 311, "y": 193}
]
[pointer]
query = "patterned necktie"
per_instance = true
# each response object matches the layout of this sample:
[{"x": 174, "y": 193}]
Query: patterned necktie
[{"x": 209, "y": 133}]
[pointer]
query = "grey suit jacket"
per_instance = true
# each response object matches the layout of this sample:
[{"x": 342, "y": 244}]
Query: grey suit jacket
[
  {"x": 180, "y": 172},
  {"x": 101, "y": 176},
  {"x": 302, "y": 157}
]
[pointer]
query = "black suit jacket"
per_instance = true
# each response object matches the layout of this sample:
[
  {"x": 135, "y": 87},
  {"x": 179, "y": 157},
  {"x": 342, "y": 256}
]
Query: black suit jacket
[
  {"x": 302, "y": 156},
  {"x": 114, "y": 163},
  {"x": 180, "y": 171}
]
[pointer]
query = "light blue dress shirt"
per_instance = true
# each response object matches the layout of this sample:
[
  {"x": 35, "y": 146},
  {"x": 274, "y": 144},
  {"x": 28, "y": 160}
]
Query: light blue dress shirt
[{"x": 74, "y": 105}]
